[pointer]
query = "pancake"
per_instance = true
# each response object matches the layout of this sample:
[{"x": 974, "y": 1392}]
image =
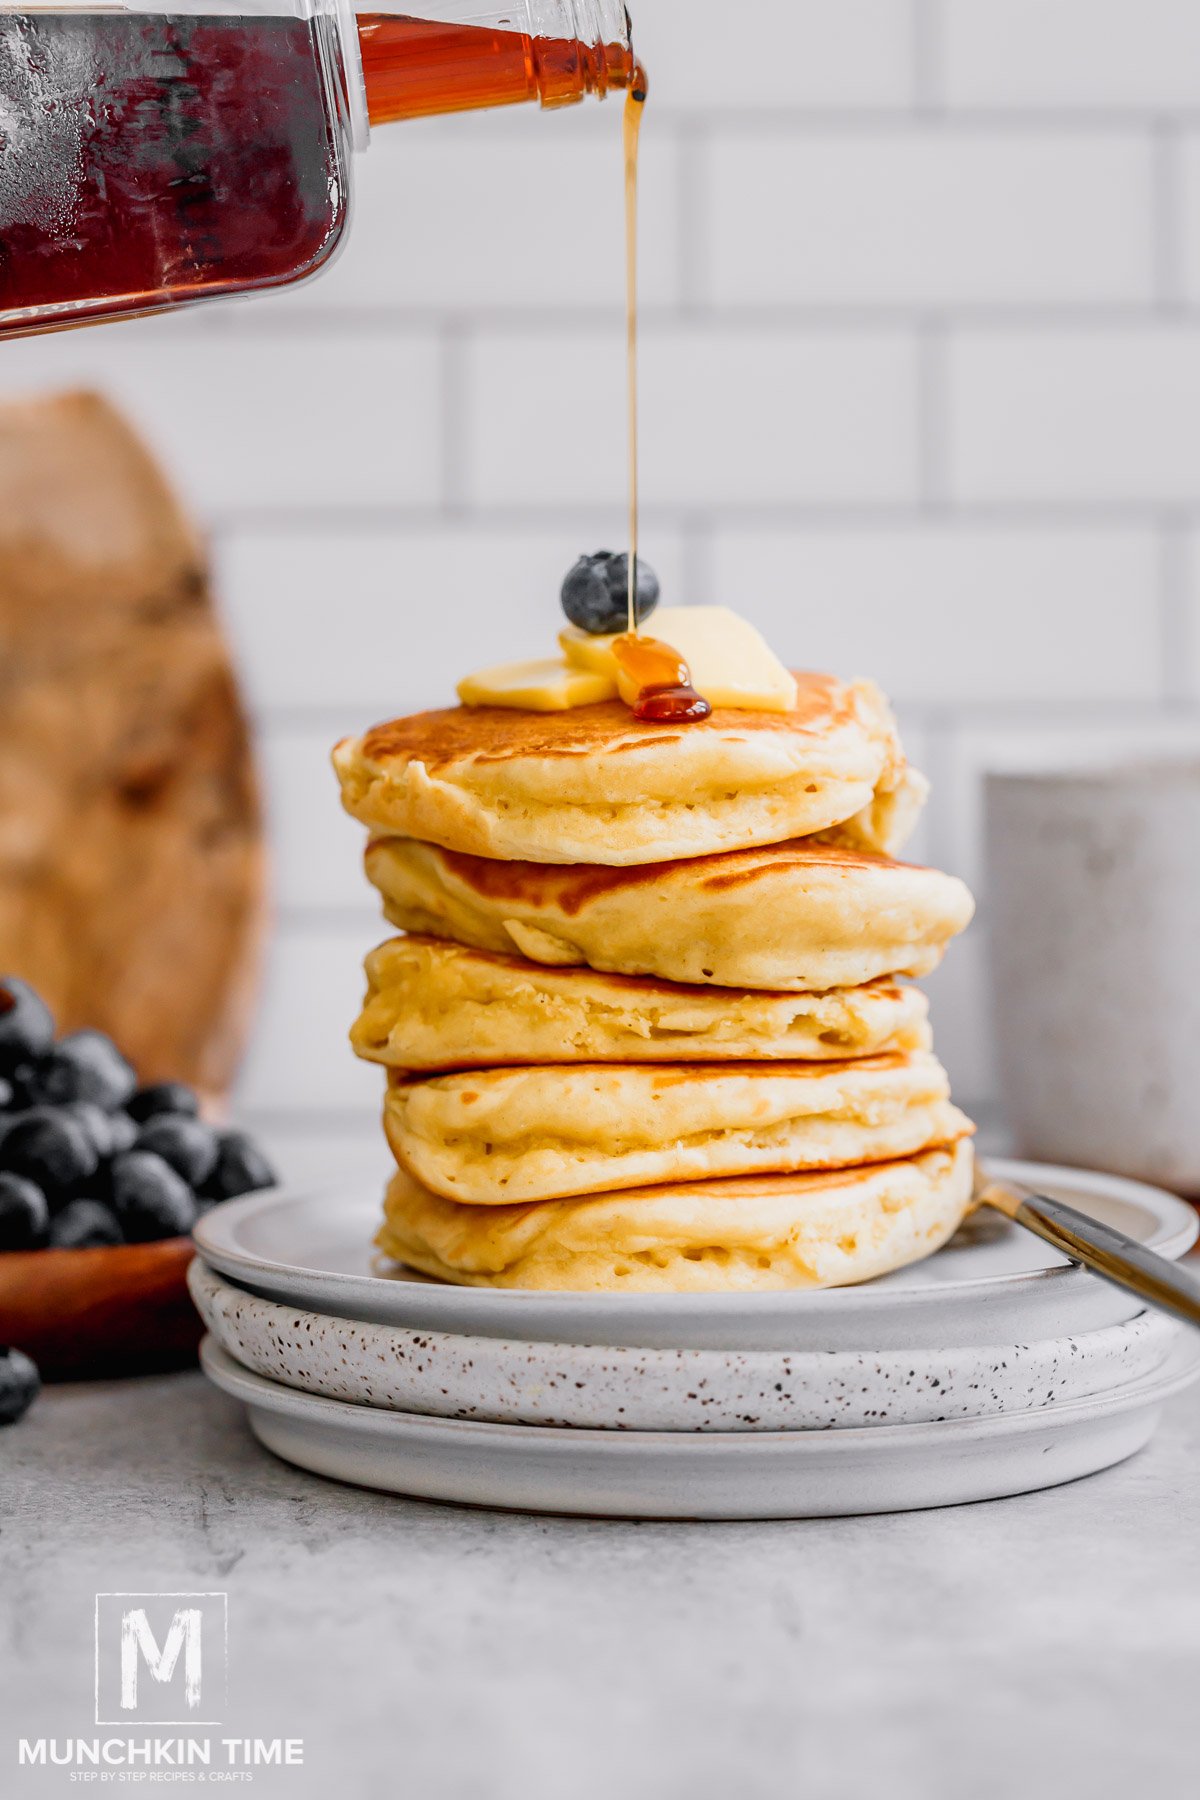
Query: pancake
[
  {"x": 756, "y": 1233},
  {"x": 432, "y": 1005},
  {"x": 490, "y": 1137},
  {"x": 593, "y": 785},
  {"x": 797, "y": 917}
]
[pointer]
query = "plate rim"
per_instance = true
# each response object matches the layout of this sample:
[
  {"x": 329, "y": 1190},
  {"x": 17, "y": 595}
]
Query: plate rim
[
  {"x": 250, "y": 1389},
  {"x": 239, "y": 1266},
  {"x": 305, "y": 1311}
]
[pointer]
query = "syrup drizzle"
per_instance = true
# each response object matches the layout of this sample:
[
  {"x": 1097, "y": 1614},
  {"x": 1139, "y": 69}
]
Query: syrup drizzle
[
  {"x": 665, "y": 694},
  {"x": 635, "y": 107}
]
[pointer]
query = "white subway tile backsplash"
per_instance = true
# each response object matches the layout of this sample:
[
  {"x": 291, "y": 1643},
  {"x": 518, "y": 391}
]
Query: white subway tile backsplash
[
  {"x": 293, "y": 420},
  {"x": 300, "y": 1058},
  {"x": 954, "y": 615},
  {"x": 912, "y": 216},
  {"x": 1189, "y": 625},
  {"x": 1186, "y": 220},
  {"x": 775, "y": 53},
  {"x": 728, "y": 415},
  {"x": 364, "y": 623},
  {"x": 1093, "y": 415},
  {"x": 316, "y": 848},
  {"x": 503, "y": 211},
  {"x": 960, "y": 1010},
  {"x": 1071, "y": 53}
]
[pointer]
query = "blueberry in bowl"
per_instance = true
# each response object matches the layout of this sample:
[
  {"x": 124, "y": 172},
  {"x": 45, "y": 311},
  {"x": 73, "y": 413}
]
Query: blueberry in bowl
[
  {"x": 86, "y": 1066},
  {"x": 85, "y": 1224},
  {"x": 101, "y": 1182},
  {"x": 26, "y": 1027},
  {"x": 187, "y": 1145},
  {"x": 24, "y": 1214}
]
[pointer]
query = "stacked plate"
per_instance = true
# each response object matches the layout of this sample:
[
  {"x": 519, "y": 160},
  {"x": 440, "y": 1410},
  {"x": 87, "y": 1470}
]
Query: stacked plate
[{"x": 993, "y": 1368}]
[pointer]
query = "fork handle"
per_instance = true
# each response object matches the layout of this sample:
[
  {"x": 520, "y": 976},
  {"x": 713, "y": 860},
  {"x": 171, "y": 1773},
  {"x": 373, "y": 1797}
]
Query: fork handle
[{"x": 1108, "y": 1253}]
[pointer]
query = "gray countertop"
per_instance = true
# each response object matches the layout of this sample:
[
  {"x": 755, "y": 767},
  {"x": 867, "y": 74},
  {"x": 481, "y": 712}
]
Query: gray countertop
[{"x": 1048, "y": 1644}]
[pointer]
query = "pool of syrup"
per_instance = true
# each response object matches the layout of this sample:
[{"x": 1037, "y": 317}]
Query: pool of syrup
[{"x": 663, "y": 680}]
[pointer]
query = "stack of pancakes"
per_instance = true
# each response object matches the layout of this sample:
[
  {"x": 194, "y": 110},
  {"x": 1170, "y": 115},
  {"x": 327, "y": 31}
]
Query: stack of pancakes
[{"x": 646, "y": 1030}]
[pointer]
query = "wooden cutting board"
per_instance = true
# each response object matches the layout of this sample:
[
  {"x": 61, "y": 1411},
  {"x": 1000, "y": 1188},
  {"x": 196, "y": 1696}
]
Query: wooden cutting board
[
  {"x": 131, "y": 858},
  {"x": 131, "y": 862}
]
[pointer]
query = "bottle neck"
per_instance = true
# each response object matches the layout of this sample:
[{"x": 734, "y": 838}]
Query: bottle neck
[{"x": 443, "y": 56}]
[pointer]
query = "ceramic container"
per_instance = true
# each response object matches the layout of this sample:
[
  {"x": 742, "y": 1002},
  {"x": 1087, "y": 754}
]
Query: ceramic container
[{"x": 1093, "y": 898}]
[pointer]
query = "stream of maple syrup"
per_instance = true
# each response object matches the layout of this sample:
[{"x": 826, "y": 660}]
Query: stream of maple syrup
[
  {"x": 665, "y": 694},
  {"x": 635, "y": 107}
]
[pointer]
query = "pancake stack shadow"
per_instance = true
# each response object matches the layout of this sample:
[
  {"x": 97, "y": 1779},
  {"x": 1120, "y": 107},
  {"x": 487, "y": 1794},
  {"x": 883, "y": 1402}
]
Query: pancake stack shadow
[{"x": 650, "y": 1025}]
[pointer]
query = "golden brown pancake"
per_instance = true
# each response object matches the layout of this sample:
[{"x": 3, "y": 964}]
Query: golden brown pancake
[
  {"x": 801, "y": 916},
  {"x": 434, "y": 1006},
  {"x": 756, "y": 1233},
  {"x": 493, "y": 1136},
  {"x": 593, "y": 785}
]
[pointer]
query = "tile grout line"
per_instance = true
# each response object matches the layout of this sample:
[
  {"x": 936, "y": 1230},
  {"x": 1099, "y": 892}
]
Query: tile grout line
[
  {"x": 698, "y": 571},
  {"x": 848, "y": 317},
  {"x": 452, "y": 410},
  {"x": 927, "y": 28},
  {"x": 1166, "y": 217},
  {"x": 933, "y": 446},
  {"x": 225, "y": 524}
]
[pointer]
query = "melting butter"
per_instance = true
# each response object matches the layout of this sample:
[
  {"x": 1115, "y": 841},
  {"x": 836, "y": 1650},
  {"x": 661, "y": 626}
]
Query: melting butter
[
  {"x": 730, "y": 662},
  {"x": 552, "y": 685}
]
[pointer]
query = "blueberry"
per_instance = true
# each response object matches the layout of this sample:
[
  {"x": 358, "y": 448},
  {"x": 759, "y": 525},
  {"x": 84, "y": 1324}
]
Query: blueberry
[
  {"x": 20, "y": 1385},
  {"x": 25, "y": 1082},
  {"x": 85, "y": 1224},
  {"x": 163, "y": 1097},
  {"x": 86, "y": 1066},
  {"x": 241, "y": 1169},
  {"x": 595, "y": 593},
  {"x": 150, "y": 1200},
  {"x": 123, "y": 1131},
  {"x": 51, "y": 1148},
  {"x": 24, "y": 1215},
  {"x": 187, "y": 1144},
  {"x": 26, "y": 1028},
  {"x": 96, "y": 1123}
]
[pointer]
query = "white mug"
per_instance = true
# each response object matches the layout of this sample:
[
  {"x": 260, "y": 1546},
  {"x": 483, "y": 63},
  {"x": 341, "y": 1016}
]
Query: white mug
[{"x": 1093, "y": 886}]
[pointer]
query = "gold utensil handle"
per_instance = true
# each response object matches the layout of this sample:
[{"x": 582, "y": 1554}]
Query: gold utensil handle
[{"x": 1108, "y": 1253}]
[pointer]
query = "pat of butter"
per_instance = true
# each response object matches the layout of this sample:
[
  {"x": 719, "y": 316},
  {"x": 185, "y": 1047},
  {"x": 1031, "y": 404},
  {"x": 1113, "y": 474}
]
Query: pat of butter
[
  {"x": 549, "y": 686},
  {"x": 730, "y": 662}
]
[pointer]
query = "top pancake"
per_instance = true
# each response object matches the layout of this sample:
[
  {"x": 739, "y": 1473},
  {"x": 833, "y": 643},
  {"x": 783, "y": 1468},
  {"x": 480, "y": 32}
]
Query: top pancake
[{"x": 594, "y": 785}]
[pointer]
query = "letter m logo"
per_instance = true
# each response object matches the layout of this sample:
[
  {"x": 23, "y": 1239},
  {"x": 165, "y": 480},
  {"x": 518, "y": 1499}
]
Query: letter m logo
[{"x": 160, "y": 1658}]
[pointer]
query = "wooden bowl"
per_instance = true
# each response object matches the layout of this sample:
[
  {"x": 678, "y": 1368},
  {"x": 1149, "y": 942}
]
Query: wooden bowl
[{"x": 82, "y": 1314}]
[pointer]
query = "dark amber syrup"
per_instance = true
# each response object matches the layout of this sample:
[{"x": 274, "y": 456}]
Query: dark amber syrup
[{"x": 663, "y": 680}]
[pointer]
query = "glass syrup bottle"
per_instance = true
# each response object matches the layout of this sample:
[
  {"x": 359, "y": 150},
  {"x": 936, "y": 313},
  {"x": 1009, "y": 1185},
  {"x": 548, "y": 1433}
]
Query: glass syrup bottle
[{"x": 152, "y": 158}]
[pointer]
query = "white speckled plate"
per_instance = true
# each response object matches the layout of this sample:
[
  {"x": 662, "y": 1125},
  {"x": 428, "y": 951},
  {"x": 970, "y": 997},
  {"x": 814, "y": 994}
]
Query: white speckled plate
[
  {"x": 704, "y": 1475},
  {"x": 994, "y": 1284},
  {"x": 664, "y": 1390}
]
